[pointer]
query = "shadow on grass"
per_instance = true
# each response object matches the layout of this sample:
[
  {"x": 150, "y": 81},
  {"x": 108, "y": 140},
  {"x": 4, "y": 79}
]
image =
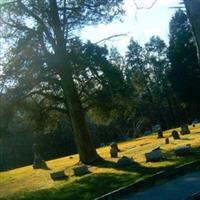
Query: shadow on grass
[
  {"x": 94, "y": 185},
  {"x": 87, "y": 188},
  {"x": 148, "y": 170}
]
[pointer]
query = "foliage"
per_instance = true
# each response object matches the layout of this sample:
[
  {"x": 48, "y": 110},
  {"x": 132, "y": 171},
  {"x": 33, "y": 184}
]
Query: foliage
[{"x": 183, "y": 59}]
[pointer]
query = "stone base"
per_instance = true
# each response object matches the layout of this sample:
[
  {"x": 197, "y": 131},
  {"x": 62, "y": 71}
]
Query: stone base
[
  {"x": 183, "y": 150},
  {"x": 40, "y": 165},
  {"x": 58, "y": 175},
  {"x": 154, "y": 156},
  {"x": 81, "y": 170},
  {"x": 124, "y": 161}
]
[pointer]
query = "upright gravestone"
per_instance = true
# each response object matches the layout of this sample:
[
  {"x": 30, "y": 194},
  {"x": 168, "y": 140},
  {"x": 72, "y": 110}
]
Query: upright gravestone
[
  {"x": 166, "y": 140},
  {"x": 185, "y": 129},
  {"x": 114, "y": 151},
  {"x": 114, "y": 145},
  {"x": 38, "y": 163},
  {"x": 175, "y": 135},
  {"x": 160, "y": 134}
]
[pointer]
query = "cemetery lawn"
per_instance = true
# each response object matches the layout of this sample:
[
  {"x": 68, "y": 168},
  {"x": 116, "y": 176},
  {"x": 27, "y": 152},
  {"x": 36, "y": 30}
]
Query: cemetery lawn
[{"x": 29, "y": 184}]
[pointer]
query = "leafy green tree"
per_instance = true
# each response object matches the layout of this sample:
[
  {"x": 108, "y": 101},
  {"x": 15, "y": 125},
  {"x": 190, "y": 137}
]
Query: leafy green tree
[
  {"x": 156, "y": 57},
  {"x": 39, "y": 34}
]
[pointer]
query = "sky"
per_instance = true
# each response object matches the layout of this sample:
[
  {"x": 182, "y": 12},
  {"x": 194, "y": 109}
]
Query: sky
[{"x": 140, "y": 24}]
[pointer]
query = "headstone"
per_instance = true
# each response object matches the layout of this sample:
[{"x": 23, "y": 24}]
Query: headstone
[
  {"x": 154, "y": 156},
  {"x": 183, "y": 150},
  {"x": 156, "y": 128},
  {"x": 38, "y": 163},
  {"x": 60, "y": 175},
  {"x": 166, "y": 140},
  {"x": 175, "y": 135},
  {"x": 160, "y": 134},
  {"x": 185, "y": 129},
  {"x": 81, "y": 170},
  {"x": 113, "y": 152},
  {"x": 114, "y": 145},
  {"x": 124, "y": 161}
]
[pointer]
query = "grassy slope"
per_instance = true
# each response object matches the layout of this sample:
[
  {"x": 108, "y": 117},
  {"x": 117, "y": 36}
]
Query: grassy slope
[{"x": 26, "y": 183}]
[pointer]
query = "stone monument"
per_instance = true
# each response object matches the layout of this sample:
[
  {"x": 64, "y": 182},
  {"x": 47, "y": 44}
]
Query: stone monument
[
  {"x": 38, "y": 163},
  {"x": 175, "y": 135},
  {"x": 185, "y": 129}
]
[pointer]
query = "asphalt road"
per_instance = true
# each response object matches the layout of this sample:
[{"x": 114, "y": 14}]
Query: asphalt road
[{"x": 177, "y": 189}]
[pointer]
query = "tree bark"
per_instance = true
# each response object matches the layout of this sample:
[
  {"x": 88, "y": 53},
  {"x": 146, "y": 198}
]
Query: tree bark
[
  {"x": 85, "y": 147},
  {"x": 193, "y": 11}
]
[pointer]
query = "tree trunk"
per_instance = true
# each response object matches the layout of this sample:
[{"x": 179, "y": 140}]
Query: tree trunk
[
  {"x": 85, "y": 147},
  {"x": 193, "y": 11}
]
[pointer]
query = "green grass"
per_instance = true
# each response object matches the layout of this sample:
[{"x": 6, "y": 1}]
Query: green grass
[{"x": 26, "y": 183}]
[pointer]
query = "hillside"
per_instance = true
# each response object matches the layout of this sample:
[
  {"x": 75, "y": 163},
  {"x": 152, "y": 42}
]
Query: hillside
[{"x": 26, "y": 183}]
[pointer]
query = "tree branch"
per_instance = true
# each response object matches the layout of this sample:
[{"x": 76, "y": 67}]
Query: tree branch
[{"x": 111, "y": 37}]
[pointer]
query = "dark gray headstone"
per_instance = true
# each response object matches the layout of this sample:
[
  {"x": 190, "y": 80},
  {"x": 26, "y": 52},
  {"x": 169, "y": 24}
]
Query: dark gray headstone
[
  {"x": 124, "y": 161},
  {"x": 114, "y": 145},
  {"x": 185, "y": 129},
  {"x": 160, "y": 134},
  {"x": 175, "y": 135},
  {"x": 81, "y": 170},
  {"x": 114, "y": 150},
  {"x": 183, "y": 150},
  {"x": 60, "y": 175},
  {"x": 38, "y": 162},
  {"x": 154, "y": 156},
  {"x": 166, "y": 140}
]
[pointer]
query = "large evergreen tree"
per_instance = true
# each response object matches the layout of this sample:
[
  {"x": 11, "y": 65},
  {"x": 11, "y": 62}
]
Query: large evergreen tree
[
  {"x": 47, "y": 29},
  {"x": 185, "y": 72}
]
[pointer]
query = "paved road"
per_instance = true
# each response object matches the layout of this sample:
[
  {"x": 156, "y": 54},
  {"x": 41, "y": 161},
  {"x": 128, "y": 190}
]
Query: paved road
[{"x": 177, "y": 189}]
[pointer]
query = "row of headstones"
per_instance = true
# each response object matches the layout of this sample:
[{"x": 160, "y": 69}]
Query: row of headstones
[
  {"x": 156, "y": 154},
  {"x": 40, "y": 163},
  {"x": 184, "y": 131}
]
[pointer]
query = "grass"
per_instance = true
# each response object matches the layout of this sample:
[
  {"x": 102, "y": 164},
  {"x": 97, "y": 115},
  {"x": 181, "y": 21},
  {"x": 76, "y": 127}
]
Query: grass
[{"x": 26, "y": 183}]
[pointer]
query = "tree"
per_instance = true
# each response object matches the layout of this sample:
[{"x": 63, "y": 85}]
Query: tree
[
  {"x": 193, "y": 7},
  {"x": 184, "y": 73},
  {"x": 51, "y": 26},
  {"x": 156, "y": 57}
]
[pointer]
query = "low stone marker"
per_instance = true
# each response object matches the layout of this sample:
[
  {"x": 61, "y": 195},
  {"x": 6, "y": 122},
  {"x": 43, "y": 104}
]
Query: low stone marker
[
  {"x": 154, "y": 156},
  {"x": 185, "y": 129},
  {"x": 160, "y": 134},
  {"x": 166, "y": 140},
  {"x": 81, "y": 170},
  {"x": 124, "y": 161},
  {"x": 183, "y": 150},
  {"x": 38, "y": 162},
  {"x": 175, "y": 135},
  {"x": 60, "y": 175}
]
